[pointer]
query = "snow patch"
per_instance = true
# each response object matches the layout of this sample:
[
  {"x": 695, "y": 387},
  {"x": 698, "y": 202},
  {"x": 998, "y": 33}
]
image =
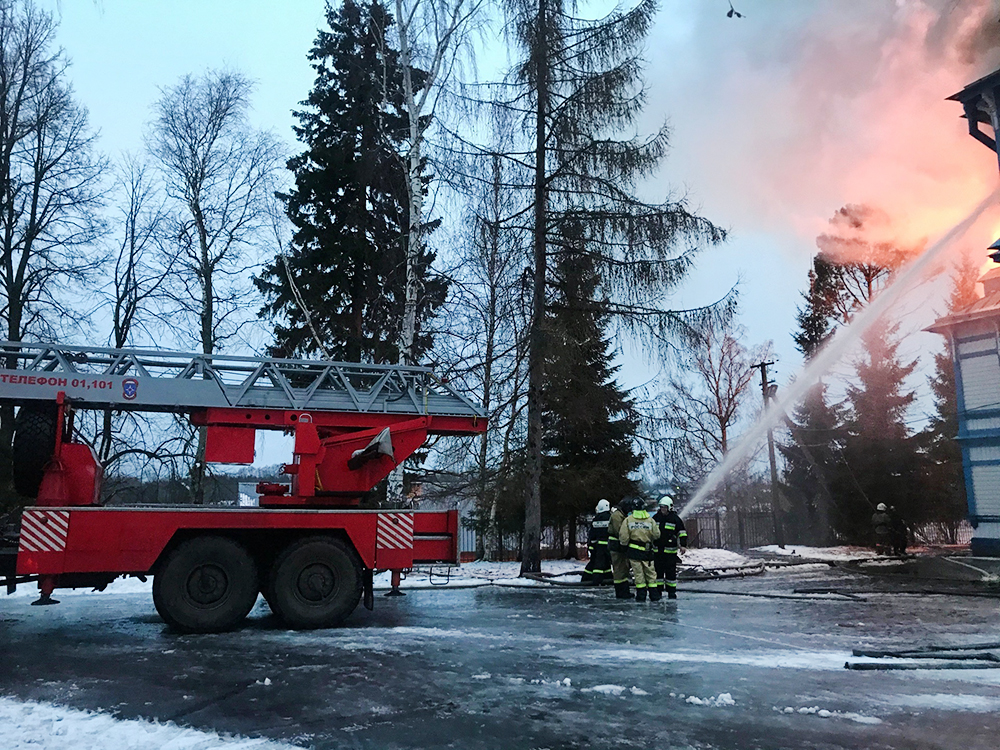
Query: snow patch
[
  {"x": 483, "y": 676},
  {"x": 723, "y": 699},
  {"x": 714, "y": 558},
  {"x": 118, "y": 586},
  {"x": 30, "y": 725},
  {"x": 606, "y": 689},
  {"x": 948, "y": 702},
  {"x": 824, "y": 713},
  {"x": 817, "y": 553},
  {"x": 810, "y": 660}
]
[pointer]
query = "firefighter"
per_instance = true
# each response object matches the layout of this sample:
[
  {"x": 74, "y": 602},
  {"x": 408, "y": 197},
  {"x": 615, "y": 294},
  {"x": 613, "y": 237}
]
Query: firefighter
[
  {"x": 899, "y": 532},
  {"x": 637, "y": 537},
  {"x": 598, "y": 569},
  {"x": 882, "y": 524},
  {"x": 619, "y": 563},
  {"x": 671, "y": 544}
]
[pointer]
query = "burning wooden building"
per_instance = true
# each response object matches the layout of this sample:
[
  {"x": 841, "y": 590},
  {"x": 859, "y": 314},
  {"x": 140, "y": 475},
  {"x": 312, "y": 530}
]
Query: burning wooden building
[{"x": 974, "y": 334}]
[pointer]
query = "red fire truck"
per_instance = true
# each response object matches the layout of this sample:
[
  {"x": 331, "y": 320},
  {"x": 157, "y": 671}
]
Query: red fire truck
[{"x": 307, "y": 546}]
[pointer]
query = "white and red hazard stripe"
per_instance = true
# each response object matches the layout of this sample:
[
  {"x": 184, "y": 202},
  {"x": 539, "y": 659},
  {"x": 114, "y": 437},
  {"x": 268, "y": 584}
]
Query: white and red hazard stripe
[
  {"x": 394, "y": 531},
  {"x": 44, "y": 530}
]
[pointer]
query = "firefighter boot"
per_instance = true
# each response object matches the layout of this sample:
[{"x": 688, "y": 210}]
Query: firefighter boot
[
  {"x": 621, "y": 591},
  {"x": 640, "y": 595},
  {"x": 655, "y": 594},
  {"x": 671, "y": 594}
]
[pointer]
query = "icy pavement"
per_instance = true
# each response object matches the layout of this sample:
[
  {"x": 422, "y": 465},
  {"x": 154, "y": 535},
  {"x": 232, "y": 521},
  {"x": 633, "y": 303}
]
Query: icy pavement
[{"x": 516, "y": 667}]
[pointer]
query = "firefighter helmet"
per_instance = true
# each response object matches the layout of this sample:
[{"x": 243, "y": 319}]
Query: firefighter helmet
[
  {"x": 666, "y": 502},
  {"x": 881, "y": 507},
  {"x": 603, "y": 506}
]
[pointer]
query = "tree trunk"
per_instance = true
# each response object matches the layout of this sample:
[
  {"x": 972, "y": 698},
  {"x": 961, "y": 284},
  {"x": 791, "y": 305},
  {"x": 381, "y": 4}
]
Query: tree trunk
[{"x": 530, "y": 550}]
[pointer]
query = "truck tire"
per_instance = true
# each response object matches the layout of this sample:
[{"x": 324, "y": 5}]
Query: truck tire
[
  {"x": 315, "y": 583},
  {"x": 33, "y": 446},
  {"x": 207, "y": 584}
]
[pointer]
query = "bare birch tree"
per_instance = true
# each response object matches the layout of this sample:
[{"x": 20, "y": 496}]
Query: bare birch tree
[
  {"x": 485, "y": 342},
  {"x": 140, "y": 265},
  {"x": 707, "y": 398},
  {"x": 219, "y": 175},
  {"x": 430, "y": 35},
  {"x": 50, "y": 190}
]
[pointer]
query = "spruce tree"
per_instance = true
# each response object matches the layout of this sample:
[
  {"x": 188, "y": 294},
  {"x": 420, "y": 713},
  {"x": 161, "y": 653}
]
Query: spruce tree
[
  {"x": 881, "y": 464},
  {"x": 589, "y": 423},
  {"x": 341, "y": 288}
]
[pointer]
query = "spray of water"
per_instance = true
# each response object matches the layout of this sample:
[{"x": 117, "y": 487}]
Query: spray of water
[{"x": 832, "y": 353}]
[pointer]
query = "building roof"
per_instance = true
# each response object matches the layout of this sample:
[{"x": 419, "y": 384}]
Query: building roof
[
  {"x": 977, "y": 87},
  {"x": 982, "y": 309}
]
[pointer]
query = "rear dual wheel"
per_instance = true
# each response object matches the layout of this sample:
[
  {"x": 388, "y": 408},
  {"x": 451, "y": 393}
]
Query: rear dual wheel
[
  {"x": 207, "y": 584},
  {"x": 315, "y": 582},
  {"x": 33, "y": 445}
]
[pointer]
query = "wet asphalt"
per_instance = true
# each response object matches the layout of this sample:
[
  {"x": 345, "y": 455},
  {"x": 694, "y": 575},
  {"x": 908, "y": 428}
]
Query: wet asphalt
[{"x": 540, "y": 667}]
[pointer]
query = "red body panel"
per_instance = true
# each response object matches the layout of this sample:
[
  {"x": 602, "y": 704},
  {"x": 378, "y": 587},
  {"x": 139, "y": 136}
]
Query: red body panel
[
  {"x": 129, "y": 540},
  {"x": 73, "y": 477}
]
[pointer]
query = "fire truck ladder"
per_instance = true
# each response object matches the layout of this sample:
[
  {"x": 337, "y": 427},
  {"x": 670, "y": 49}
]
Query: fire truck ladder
[{"x": 157, "y": 380}]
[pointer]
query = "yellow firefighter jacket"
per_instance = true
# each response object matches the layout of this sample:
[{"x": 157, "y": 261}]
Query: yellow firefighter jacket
[
  {"x": 614, "y": 527},
  {"x": 637, "y": 534}
]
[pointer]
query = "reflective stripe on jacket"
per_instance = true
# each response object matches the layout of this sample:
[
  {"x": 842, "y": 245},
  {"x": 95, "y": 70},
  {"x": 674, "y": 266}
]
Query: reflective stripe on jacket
[
  {"x": 599, "y": 529},
  {"x": 672, "y": 531}
]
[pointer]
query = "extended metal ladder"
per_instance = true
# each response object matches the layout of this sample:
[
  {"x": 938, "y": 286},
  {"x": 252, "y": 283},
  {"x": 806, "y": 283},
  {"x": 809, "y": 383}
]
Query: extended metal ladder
[{"x": 158, "y": 380}]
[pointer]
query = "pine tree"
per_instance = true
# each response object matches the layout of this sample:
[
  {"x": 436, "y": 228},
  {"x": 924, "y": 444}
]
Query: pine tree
[
  {"x": 579, "y": 87},
  {"x": 589, "y": 423},
  {"x": 341, "y": 288},
  {"x": 880, "y": 460}
]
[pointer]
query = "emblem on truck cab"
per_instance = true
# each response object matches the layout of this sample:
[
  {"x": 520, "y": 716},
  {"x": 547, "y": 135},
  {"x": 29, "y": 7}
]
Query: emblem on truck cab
[{"x": 130, "y": 388}]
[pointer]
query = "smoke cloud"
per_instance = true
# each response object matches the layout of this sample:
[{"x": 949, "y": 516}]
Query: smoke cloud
[{"x": 804, "y": 108}]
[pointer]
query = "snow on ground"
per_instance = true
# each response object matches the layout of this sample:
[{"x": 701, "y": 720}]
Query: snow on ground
[
  {"x": 818, "y": 553},
  {"x": 467, "y": 575},
  {"x": 767, "y": 659},
  {"x": 714, "y": 558},
  {"x": 824, "y": 713},
  {"x": 117, "y": 586},
  {"x": 948, "y": 702},
  {"x": 723, "y": 699},
  {"x": 481, "y": 573},
  {"x": 27, "y": 724}
]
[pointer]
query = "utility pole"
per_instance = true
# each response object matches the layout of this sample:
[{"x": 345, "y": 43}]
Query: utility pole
[{"x": 768, "y": 389}]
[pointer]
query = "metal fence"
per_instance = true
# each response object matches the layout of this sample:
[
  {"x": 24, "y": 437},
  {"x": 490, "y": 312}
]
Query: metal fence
[
  {"x": 555, "y": 543},
  {"x": 734, "y": 529}
]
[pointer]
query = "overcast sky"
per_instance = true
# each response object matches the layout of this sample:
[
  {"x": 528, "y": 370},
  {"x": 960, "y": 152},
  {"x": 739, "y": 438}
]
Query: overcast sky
[{"x": 779, "y": 118}]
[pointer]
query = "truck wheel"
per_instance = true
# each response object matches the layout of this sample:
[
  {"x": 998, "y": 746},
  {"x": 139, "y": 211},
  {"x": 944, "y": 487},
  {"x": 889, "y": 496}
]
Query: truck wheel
[
  {"x": 33, "y": 446},
  {"x": 315, "y": 583},
  {"x": 205, "y": 585}
]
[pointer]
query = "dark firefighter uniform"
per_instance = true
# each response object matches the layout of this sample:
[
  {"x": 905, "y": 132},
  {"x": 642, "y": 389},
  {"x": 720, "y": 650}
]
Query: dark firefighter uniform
[
  {"x": 619, "y": 563},
  {"x": 598, "y": 569},
  {"x": 638, "y": 537},
  {"x": 673, "y": 538},
  {"x": 882, "y": 523}
]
